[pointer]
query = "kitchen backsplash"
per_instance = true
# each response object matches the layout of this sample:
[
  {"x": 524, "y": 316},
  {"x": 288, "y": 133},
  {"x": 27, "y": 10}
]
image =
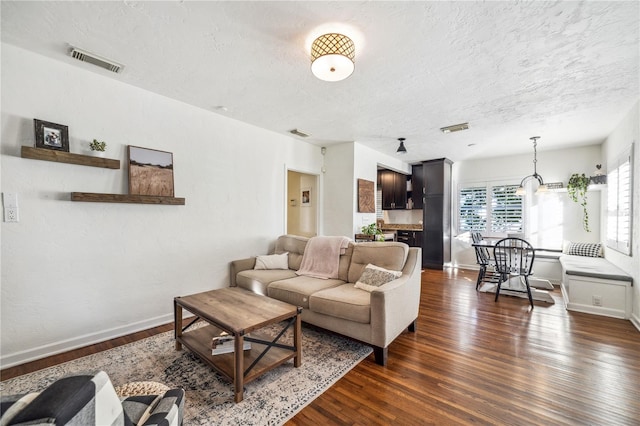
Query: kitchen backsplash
[{"x": 402, "y": 216}]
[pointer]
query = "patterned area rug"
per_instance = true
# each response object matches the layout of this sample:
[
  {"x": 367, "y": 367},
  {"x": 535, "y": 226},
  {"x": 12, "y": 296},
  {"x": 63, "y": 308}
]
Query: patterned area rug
[{"x": 271, "y": 399}]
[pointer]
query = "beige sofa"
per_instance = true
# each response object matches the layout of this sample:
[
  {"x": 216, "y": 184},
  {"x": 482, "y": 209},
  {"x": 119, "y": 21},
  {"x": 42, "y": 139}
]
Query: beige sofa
[{"x": 375, "y": 317}]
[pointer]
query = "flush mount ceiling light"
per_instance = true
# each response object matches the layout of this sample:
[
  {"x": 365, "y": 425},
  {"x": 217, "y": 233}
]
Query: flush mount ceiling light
[
  {"x": 401, "y": 149},
  {"x": 535, "y": 175},
  {"x": 455, "y": 128},
  {"x": 332, "y": 57}
]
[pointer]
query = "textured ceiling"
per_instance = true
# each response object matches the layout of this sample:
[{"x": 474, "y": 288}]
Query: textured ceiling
[{"x": 567, "y": 71}]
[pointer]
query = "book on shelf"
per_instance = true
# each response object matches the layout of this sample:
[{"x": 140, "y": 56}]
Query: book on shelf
[{"x": 224, "y": 344}]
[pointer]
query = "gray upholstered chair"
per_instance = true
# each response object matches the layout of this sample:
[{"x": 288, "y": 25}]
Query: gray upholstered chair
[{"x": 90, "y": 399}]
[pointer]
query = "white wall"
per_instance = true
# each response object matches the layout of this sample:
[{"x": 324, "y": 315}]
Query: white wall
[
  {"x": 627, "y": 132},
  {"x": 345, "y": 164},
  {"x": 366, "y": 165},
  {"x": 75, "y": 273},
  {"x": 553, "y": 217},
  {"x": 338, "y": 190}
]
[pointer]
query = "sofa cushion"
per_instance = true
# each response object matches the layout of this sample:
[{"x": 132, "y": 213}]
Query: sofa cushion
[
  {"x": 387, "y": 255},
  {"x": 296, "y": 291},
  {"x": 596, "y": 267},
  {"x": 374, "y": 276},
  {"x": 258, "y": 280},
  {"x": 345, "y": 301},
  {"x": 272, "y": 261},
  {"x": 294, "y": 245}
]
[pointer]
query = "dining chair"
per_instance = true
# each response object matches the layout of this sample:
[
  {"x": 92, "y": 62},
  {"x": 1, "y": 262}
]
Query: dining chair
[
  {"x": 514, "y": 258},
  {"x": 487, "y": 272}
]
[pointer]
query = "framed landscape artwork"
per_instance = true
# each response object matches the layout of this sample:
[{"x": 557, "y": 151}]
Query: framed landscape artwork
[
  {"x": 150, "y": 172},
  {"x": 51, "y": 135}
]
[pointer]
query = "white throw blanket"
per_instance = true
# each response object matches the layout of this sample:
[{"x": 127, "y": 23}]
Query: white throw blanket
[{"x": 321, "y": 258}]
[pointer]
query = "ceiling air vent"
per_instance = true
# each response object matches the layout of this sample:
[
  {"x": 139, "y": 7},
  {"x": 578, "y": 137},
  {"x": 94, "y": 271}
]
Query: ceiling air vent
[
  {"x": 455, "y": 128},
  {"x": 92, "y": 58},
  {"x": 299, "y": 133}
]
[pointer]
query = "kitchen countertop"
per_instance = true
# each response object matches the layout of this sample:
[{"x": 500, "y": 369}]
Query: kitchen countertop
[{"x": 401, "y": 227}]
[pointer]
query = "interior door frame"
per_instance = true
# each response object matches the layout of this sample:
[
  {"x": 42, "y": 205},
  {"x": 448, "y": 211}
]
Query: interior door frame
[{"x": 318, "y": 199}]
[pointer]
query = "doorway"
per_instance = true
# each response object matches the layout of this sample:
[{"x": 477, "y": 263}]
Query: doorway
[{"x": 302, "y": 204}]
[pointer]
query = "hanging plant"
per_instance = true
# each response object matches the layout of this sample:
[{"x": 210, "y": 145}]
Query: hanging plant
[{"x": 577, "y": 189}]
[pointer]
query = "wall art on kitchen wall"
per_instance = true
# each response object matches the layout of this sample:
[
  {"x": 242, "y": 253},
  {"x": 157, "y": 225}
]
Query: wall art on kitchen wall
[
  {"x": 150, "y": 172},
  {"x": 366, "y": 196}
]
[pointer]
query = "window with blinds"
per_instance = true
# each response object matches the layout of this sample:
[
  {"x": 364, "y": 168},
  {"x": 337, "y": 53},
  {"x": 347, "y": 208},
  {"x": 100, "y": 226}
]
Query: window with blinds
[
  {"x": 494, "y": 210},
  {"x": 619, "y": 203},
  {"x": 506, "y": 210},
  {"x": 473, "y": 209}
]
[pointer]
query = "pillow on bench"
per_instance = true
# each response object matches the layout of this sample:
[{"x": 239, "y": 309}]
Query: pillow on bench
[{"x": 583, "y": 249}]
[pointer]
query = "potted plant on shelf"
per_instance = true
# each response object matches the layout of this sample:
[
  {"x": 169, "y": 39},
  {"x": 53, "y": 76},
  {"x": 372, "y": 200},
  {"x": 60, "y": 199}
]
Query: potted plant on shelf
[
  {"x": 373, "y": 230},
  {"x": 98, "y": 147},
  {"x": 577, "y": 190}
]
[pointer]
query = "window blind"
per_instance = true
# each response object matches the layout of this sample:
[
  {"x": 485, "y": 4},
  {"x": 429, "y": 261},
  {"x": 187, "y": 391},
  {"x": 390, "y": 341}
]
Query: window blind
[
  {"x": 506, "y": 209},
  {"x": 619, "y": 203},
  {"x": 494, "y": 210},
  {"x": 473, "y": 209}
]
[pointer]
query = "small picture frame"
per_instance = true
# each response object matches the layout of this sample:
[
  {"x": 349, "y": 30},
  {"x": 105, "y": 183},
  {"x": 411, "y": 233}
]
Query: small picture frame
[
  {"x": 305, "y": 197},
  {"x": 51, "y": 135}
]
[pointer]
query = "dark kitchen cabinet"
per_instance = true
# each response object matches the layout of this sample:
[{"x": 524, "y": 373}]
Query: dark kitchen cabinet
[
  {"x": 436, "y": 222},
  {"x": 394, "y": 190},
  {"x": 417, "y": 186},
  {"x": 412, "y": 238}
]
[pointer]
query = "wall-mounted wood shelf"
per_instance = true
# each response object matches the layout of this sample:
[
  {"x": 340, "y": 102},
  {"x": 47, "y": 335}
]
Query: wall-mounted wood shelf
[
  {"x": 68, "y": 157},
  {"x": 93, "y": 197}
]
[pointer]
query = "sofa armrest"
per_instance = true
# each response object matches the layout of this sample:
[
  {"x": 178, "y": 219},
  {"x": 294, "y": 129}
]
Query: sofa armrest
[
  {"x": 395, "y": 305},
  {"x": 238, "y": 266}
]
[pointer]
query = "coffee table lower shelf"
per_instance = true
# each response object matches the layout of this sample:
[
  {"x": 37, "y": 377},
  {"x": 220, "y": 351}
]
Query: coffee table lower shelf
[{"x": 199, "y": 342}]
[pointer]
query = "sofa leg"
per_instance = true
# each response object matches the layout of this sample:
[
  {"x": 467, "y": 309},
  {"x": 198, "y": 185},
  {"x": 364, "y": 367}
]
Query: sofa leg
[
  {"x": 412, "y": 326},
  {"x": 380, "y": 355}
]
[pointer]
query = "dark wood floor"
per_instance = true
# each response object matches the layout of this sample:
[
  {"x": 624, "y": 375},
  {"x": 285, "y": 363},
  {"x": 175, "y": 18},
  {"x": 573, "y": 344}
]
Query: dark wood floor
[{"x": 473, "y": 361}]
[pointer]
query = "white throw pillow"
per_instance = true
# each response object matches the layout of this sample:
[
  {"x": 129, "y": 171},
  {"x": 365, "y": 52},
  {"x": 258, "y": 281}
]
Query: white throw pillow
[
  {"x": 374, "y": 276},
  {"x": 273, "y": 261}
]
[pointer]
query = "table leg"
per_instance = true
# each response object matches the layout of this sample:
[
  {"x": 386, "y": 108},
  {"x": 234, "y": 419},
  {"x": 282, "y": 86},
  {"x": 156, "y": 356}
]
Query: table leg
[
  {"x": 297, "y": 341},
  {"x": 177, "y": 323},
  {"x": 238, "y": 377}
]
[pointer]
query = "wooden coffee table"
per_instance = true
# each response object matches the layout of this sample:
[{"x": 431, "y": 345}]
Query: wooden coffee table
[{"x": 238, "y": 312}]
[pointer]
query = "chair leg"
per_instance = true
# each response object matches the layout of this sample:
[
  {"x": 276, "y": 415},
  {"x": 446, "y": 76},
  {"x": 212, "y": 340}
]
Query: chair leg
[
  {"x": 481, "y": 273},
  {"x": 526, "y": 280},
  {"x": 501, "y": 278}
]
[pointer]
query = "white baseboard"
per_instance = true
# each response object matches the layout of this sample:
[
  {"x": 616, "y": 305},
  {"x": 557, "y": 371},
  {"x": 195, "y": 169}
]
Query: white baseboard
[
  {"x": 44, "y": 351},
  {"x": 473, "y": 267},
  {"x": 635, "y": 320}
]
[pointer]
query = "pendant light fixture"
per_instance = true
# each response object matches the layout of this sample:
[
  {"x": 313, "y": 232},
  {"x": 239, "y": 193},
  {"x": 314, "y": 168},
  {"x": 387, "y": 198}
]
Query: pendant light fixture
[
  {"x": 401, "y": 149},
  {"x": 332, "y": 57},
  {"x": 542, "y": 187}
]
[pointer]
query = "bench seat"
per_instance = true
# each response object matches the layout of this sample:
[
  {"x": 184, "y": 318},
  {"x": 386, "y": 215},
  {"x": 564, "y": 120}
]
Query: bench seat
[{"x": 596, "y": 286}]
